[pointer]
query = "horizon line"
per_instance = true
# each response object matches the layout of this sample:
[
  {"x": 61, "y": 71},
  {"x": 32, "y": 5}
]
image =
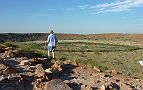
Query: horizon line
[{"x": 62, "y": 33}]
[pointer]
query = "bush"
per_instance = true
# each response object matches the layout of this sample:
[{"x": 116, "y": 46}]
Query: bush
[{"x": 8, "y": 44}]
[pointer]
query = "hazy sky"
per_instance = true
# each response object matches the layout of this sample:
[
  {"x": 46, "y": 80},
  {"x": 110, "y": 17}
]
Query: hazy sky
[{"x": 72, "y": 16}]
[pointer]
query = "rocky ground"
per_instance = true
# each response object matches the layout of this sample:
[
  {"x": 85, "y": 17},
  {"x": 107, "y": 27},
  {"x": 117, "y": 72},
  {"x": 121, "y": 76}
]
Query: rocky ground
[{"x": 24, "y": 71}]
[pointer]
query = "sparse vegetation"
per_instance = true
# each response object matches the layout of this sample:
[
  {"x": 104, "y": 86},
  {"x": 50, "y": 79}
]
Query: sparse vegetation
[
  {"x": 8, "y": 44},
  {"x": 123, "y": 58}
]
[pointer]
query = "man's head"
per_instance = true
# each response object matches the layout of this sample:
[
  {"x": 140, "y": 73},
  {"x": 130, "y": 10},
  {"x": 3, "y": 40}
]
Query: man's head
[{"x": 51, "y": 31}]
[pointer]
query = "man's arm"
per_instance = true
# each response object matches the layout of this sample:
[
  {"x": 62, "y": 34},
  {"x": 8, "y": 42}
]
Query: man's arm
[{"x": 47, "y": 41}]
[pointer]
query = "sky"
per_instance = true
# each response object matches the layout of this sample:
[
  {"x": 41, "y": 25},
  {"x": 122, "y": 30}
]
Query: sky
[{"x": 71, "y": 16}]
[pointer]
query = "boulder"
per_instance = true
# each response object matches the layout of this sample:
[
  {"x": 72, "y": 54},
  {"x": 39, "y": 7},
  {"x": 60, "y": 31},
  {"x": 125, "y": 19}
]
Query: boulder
[
  {"x": 48, "y": 70},
  {"x": 10, "y": 77},
  {"x": 124, "y": 86},
  {"x": 39, "y": 86},
  {"x": 24, "y": 62},
  {"x": 9, "y": 70},
  {"x": 2, "y": 68},
  {"x": 1, "y": 60},
  {"x": 97, "y": 69},
  {"x": 15, "y": 52},
  {"x": 11, "y": 52},
  {"x": 8, "y": 48},
  {"x": 98, "y": 75},
  {"x": 75, "y": 63},
  {"x": 114, "y": 72},
  {"x": 112, "y": 86},
  {"x": 56, "y": 67},
  {"x": 41, "y": 59},
  {"x": 6, "y": 69},
  {"x": 89, "y": 88},
  {"x": 103, "y": 87},
  {"x": 83, "y": 87},
  {"x": 56, "y": 84},
  {"x": 67, "y": 62},
  {"x": 40, "y": 72}
]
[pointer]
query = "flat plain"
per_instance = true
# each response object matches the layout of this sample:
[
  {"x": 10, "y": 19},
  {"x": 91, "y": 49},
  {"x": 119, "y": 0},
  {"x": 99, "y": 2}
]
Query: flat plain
[{"x": 121, "y": 55}]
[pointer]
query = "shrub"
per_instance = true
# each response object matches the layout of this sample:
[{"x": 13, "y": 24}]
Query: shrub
[{"x": 8, "y": 44}]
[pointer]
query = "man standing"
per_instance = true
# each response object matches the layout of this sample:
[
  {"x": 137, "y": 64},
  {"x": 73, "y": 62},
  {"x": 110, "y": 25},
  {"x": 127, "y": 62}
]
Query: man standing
[{"x": 52, "y": 41}]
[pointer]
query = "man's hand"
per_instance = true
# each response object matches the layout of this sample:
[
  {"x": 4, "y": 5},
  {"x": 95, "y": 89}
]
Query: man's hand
[{"x": 45, "y": 42}]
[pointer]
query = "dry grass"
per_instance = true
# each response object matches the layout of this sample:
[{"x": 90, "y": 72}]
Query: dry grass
[{"x": 107, "y": 54}]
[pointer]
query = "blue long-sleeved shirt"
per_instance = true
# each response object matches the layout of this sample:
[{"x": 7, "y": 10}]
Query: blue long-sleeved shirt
[{"x": 52, "y": 40}]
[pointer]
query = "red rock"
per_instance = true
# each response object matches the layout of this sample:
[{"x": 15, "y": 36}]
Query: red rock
[
  {"x": 114, "y": 72},
  {"x": 24, "y": 62},
  {"x": 6, "y": 70},
  {"x": 83, "y": 87},
  {"x": 57, "y": 67},
  {"x": 103, "y": 87},
  {"x": 48, "y": 70},
  {"x": 99, "y": 75},
  {"x": 8, "y": 48},
  {"x": 97, "y": 69},
  {"x": 8, "y": 53},
  {"x": 2, "y": 67},
  {"x": 67, "y": 62},
  {"x": 66, "y": 81},
  {"x": 40, "y": 72},
  {"x": 9, "y": 70},
  {"x": 89, "y": 88},
  {"x": 123, "y": 86},
  {"x": 15, "y": 52},
  {"x": 75, "y": 63}
]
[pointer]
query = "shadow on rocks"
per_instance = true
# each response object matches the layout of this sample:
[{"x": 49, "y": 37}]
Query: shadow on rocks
[
  {"x": 65, "y": 74},
  {"x": 11, "y": 63},
  {"x": 74, "y": 86}
]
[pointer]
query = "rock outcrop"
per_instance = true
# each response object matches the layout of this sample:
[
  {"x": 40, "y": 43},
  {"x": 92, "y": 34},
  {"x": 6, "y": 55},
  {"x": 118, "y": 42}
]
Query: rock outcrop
[{"x": 30, "y": 73}]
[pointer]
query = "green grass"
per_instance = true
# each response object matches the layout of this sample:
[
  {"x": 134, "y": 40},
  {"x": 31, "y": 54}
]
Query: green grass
[
  {"x": 9, "y": 44},
  {"x": 123, "y": 58},
  {"x": 93, "y": 47}
]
